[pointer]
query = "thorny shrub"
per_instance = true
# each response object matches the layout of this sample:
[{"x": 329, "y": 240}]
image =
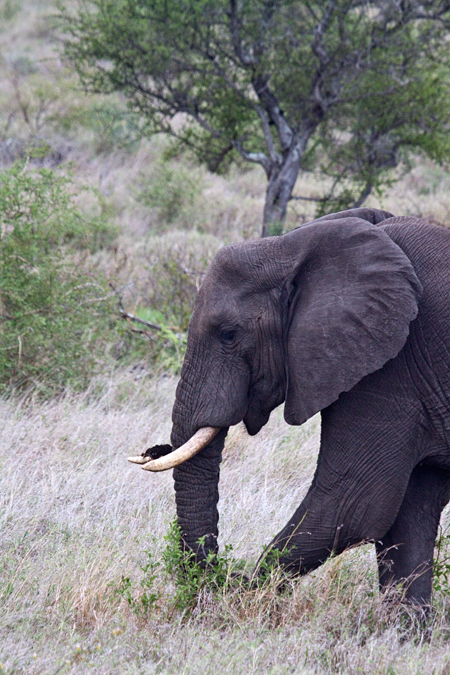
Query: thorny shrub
[
  {"x": 56, "y": 315},
  {"x": 173, "y": 190}
]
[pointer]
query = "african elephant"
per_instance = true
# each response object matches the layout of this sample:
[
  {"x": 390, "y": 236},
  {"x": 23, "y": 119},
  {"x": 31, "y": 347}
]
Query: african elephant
[{"x": 348, "y": 315}]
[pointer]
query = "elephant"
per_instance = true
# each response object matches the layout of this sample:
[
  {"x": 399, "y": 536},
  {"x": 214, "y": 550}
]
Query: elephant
[{"x": 349, "y": 316}]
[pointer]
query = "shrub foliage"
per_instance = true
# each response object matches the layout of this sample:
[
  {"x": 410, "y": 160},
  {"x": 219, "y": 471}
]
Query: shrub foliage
[{"x": 54, "y": 313}]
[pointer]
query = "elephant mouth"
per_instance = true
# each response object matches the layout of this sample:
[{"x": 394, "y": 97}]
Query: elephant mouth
[{"x": 173, "y": 458}]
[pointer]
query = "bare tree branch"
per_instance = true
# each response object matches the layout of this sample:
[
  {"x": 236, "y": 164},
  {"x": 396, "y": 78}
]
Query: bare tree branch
[
  {"x": 131, "y": 317},
  {"x": 255, "y": 157},
  {"x": 274, "y": 155},
  {"x": 270, "y": 103}
]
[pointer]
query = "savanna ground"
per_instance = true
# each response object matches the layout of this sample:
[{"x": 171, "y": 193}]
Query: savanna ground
[{"x": 85, "y": 577}]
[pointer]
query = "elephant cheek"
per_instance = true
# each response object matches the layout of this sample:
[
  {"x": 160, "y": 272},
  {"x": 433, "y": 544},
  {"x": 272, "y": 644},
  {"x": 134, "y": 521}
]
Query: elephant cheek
[
  {"x": 255, "y": 420},
  {"x": 216, "y": 399},
  {"x": 265, "y": 398}
]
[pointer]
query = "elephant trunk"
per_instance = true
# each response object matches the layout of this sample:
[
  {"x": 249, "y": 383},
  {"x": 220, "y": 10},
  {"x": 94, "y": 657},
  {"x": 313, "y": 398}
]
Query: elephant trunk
[
  {"x": 199, "y": 403},
  {"x": 197, "y": 494}
]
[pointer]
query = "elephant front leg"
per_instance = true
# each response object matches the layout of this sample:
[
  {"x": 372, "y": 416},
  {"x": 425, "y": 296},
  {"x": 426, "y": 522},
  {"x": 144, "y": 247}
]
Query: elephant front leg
[
  {"x": 367, "y": 454},
  {"x": 308, "y": 538},
  {"x": 405, "y": 553}
]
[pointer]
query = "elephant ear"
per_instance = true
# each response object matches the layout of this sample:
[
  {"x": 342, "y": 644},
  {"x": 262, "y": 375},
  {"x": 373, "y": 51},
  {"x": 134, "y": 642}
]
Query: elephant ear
[{"x": 349, "y": 302}]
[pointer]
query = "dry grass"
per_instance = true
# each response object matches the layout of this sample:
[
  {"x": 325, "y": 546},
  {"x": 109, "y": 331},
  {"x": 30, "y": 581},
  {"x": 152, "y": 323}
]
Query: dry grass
[{"x": 75, "y": 518}]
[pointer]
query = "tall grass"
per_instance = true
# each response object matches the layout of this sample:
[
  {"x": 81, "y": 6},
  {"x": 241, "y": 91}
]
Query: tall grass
[{"x": 77, "y": 522}]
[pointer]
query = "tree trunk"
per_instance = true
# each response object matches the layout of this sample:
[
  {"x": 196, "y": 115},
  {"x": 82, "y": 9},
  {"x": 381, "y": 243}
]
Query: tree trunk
[
  {"x": 365, "y": 192},
  {"x": 279, "y": 189}
]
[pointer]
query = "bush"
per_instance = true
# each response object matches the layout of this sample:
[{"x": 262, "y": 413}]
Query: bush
[
  {"x": 173, "y": 190},
  {"x": 174, "y": 267},
  {"x": 158, "y": 280},
  {"x": 191, "y": 577},
  {"x": 55, "y": 314},
  {"x": 179, "y": 567}
]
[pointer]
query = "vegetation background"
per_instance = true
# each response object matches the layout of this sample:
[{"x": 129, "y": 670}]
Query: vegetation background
[{"x": 98, "y": 227}]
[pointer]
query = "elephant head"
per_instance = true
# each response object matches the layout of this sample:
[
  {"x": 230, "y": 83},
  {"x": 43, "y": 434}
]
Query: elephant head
[{"x": 298, "y": 319}]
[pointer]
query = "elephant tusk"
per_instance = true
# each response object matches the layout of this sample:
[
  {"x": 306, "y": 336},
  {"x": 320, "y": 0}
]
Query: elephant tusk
[
  {"x": 139, "y": 459},
  {"x": 197, "y": 442}
]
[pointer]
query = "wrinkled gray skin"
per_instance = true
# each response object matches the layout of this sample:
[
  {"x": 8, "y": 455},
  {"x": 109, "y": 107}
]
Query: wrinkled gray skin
[{"x": 349, "y": 315}]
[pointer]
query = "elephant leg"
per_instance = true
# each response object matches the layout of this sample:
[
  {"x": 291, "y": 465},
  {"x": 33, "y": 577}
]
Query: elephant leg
[
  {"x": 370, "y": 444},
  {"x": 405, "y": 552}
]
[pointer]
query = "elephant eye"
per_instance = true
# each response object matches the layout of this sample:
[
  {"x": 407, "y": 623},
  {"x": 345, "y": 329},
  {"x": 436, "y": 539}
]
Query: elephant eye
[{"x": 227, "y": 337}]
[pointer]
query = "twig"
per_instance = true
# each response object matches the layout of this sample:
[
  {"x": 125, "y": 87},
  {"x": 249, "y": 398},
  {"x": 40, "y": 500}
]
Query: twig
[
  {"x": 307, "y": 199},
  {"x": 131, "y": 317}
]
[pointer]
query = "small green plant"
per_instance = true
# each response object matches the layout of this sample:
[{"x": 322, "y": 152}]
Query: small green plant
[
  {"x": 142, "y": 599},
  {"x": 189, "y": 575},
  {"x": 173, "y": 347},
  {"x": 270, "y": 562},
  {"x": 169, "y": 342},
  {"x": 269, "y": 574},
  {"x": 441, "y": 565},
  {"x": 171, "y": 189}
]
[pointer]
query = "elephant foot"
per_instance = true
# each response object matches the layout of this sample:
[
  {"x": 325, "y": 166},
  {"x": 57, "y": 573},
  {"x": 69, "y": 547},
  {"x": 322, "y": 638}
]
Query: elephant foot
[{"x": 412, "y": 617}]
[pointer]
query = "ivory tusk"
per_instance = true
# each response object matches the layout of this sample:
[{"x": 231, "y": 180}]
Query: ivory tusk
[
  {"x": 197, "y": 442},
  {"x": 139, "y": 459}
]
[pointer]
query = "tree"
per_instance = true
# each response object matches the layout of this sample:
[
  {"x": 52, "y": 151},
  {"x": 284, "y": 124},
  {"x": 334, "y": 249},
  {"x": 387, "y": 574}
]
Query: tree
[{"x": 346, "y": 86}]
